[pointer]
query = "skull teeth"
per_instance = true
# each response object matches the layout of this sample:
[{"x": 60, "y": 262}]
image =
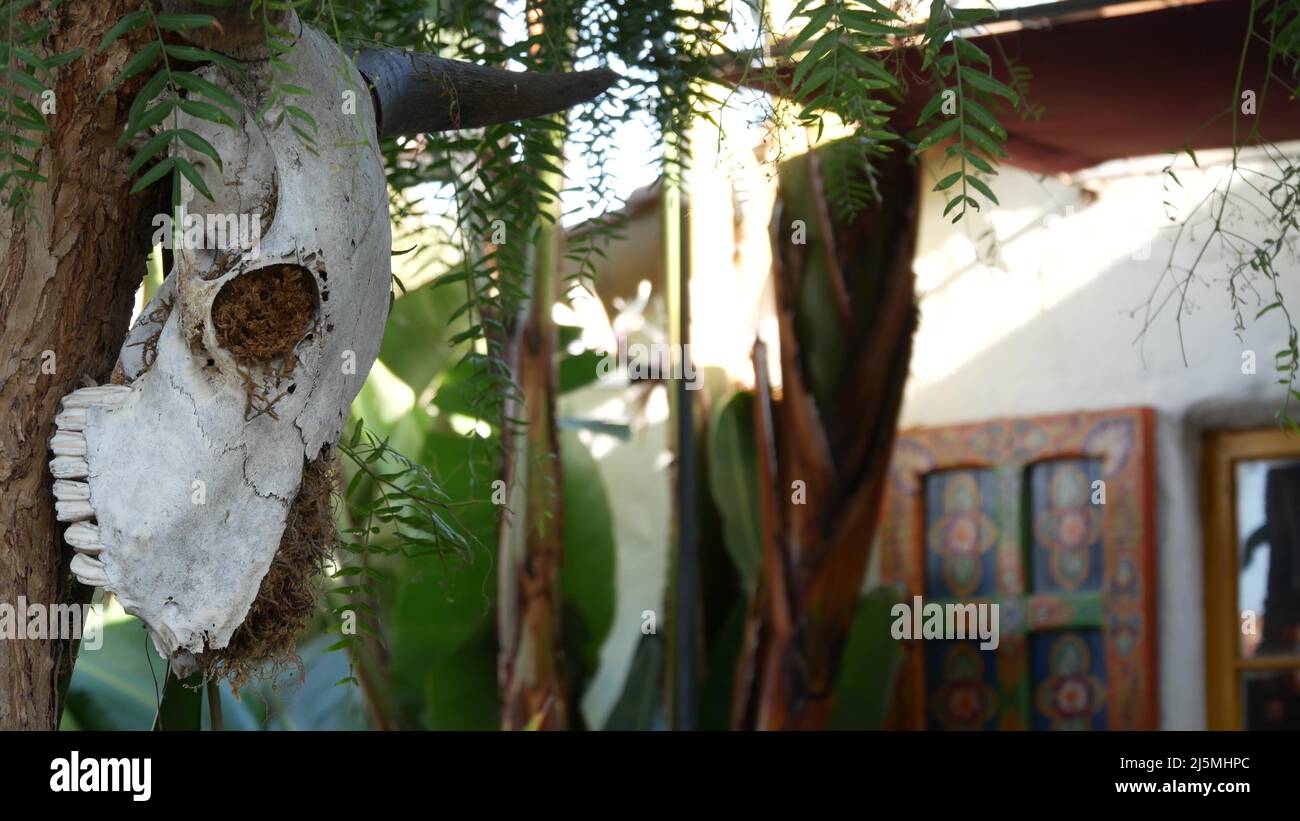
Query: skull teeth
[
  {"x": 72, "y": 498},
  {"x": 68, "y": 443},
  {"x": 109, "y": 395},
  {"x": 69, "y": 467},
  {"x": 88, "y": 571},
  {"x": 73, "y": 511},
  {"x": 84, "y": 538},
  {"x": 71, "y": 419},
  {"x": 69, "y": 491}
]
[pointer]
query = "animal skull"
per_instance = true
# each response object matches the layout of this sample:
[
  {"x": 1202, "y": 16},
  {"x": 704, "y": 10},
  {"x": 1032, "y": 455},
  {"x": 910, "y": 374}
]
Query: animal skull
[{"x": 178, "y": 482}]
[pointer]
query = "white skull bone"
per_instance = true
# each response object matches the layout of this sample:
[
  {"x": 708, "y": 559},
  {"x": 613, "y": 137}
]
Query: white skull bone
[{"x": 178, "y": 484}]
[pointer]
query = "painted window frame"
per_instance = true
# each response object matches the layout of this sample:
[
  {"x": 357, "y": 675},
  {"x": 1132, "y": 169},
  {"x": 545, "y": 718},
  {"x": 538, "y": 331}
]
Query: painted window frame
[{"x": 1129, "y": 538}]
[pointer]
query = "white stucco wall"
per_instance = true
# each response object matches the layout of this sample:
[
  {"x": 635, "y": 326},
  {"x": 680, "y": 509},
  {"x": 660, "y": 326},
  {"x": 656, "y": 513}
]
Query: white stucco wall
[{"x": 1050, "y": 326}]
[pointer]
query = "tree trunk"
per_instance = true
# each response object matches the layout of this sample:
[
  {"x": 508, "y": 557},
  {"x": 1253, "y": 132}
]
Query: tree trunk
[
  {"x": 531, "y": 656},
  {"x": 844, "y": 292},
  {"x": 66, "y": 289},
  {"x": 530, "y": 652}
]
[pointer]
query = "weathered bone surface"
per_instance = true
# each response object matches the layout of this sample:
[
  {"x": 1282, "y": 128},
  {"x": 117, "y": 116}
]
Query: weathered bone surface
[{"x": 178, "y": 483}]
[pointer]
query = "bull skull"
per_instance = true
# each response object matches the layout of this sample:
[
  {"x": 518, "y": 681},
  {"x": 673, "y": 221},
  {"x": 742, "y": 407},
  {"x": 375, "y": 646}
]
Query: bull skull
[{"x": 177, "y": 482}]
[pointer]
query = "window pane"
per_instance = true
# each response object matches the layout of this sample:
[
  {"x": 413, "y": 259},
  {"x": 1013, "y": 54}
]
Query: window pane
[
  {"x": 1268, "y": 557},
  {"x": 1068, "y": 669},
  {"x": 1065, "y": 526},
  {"x": 1271, "y": 700},
  {"x": 962, "y": 687},
  {"x": 961, "y": 513}
]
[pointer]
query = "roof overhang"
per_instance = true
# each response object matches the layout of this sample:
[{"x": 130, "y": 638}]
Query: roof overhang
[{"x": 1125, "y": 79}]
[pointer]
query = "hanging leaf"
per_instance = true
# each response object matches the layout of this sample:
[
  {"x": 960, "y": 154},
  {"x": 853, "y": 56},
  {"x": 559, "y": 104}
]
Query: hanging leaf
[
  {"x": 587, "y": 577},
  {"x": 640, "y": 706},
  {"x": 870, "y": 667},
  {"x": 182, "y": 704},
  {"x": 733, "y": 472}
]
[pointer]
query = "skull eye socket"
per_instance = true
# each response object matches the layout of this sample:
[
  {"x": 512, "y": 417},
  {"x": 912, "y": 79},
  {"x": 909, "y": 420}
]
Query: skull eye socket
[{"x": 260, "y": 316}]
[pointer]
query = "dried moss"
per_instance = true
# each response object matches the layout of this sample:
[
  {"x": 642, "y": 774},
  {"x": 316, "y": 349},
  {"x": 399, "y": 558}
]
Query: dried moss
[
  {"x": 288, "y": 596},
  {"x": 260, "y": 316}
]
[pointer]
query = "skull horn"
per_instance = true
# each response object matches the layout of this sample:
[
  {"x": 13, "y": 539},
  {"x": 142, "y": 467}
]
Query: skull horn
[
  {"x": 415, "y": 93},
  {"x": 418, "y": 93}
]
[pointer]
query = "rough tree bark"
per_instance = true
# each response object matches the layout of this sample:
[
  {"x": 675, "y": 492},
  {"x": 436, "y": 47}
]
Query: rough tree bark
[{"x": 66, "y": 289}]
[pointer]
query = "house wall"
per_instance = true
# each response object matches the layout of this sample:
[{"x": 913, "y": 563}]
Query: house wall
[{"x": 1038, "y": 306}]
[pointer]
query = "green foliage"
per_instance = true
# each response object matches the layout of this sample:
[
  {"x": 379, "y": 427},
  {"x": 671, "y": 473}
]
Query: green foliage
[
  {"x": 25, "y": 79},
  {"x": 587, "y": 575},
  {"x": 1282, "y": 19},
  {"x": 640, "y": 707},
  {"x": 509, "y": 191},
  {"x": 733, "y": 481},
  {"x": 119, "y": 686},
  {"x": 280, "y": 93},
  {"x": 442, "y": 640},
  {"x": 439, "y": 615},
  {"x": 460, "y": 691},
  {"x": 1281, "y": 190},
  {"x": 411, "y": 348},
  {"x": 843, "y": 73},
  {"x": 174, "y": 89},
  {"x": 719, "y": 680},
  {"x": 395, "y": 506},
  {"x": 845, "y": 70},
  {"x": 870, "y": 665},
  {"x": 440, "y": 624},
  {"x": 497, "y": 180},
  {"x": 181, "y": 707},
  {"x": 170, "y": 91},
  {"x": 111, "y": 687},
  {"x": 405, "y": 497},
  {"x": 579, "y": 371},
  {"x": 965, "y": 103}
]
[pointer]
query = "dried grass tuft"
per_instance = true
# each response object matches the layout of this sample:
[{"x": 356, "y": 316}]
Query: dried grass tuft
[{"x": 265, "y": 644}]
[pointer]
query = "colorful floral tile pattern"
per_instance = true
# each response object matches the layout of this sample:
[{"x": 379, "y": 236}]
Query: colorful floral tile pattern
[
  {"x": 961, "y": 507},
  {"x": 1066, "y": 535},
  {"x": 1053, "y": 519},
  {"x": 1068, "y": 669}
]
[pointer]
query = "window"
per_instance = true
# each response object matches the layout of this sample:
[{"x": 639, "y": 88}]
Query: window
[
  {"x": 1052, "y": 519},
  {"x": 1252, "y": 580}
]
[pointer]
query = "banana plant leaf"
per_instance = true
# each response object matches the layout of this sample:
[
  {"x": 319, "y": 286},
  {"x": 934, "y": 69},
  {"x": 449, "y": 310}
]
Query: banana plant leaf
[
  {"x": 117, "y": 686},
  {"x": 587, "y": 578},
  {"x": 733, "y": 481},
  {"x": 641, "y": 707},
  {"x": 408, "y": 349},
  {"x": 872, "y": 660}
]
